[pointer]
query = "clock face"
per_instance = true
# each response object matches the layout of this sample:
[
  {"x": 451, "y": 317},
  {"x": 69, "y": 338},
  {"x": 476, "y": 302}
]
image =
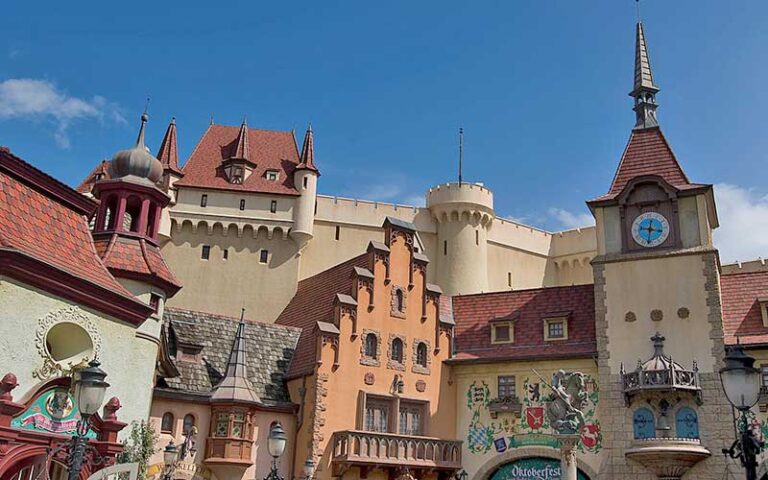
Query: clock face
[{"x": 650, "y": 229}]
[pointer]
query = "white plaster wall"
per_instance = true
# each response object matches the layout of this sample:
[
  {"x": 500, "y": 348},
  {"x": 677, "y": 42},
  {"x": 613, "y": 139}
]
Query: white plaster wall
[{"x": 128, "y": 360}]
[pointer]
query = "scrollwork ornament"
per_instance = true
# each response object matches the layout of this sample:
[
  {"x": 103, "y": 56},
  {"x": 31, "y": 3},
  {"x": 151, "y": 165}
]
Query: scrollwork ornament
[{"x": 71, "y": 314}]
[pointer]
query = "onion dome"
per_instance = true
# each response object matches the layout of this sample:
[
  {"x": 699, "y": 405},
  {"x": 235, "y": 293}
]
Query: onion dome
[
  {"x": 659, "y": 361},
  {"x": 137, "y": 163}
]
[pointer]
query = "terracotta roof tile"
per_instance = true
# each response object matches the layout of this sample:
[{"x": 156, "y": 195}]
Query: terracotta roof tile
[
  {"x": 43, "y": 228},
  {"x": 314, "y": 302},
  {"x": 100, "y": 172},
  {"x": 741, "y": 310},
  {"x": 528, "y": 309},
  {"x": 137, "y": 257},
  {"x": 168, "y": 154},
  {"x": 269, "y": 150}
]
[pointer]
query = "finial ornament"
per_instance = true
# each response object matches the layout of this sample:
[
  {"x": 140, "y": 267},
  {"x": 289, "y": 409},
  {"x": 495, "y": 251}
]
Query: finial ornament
[{"x": 461, "y": 154}]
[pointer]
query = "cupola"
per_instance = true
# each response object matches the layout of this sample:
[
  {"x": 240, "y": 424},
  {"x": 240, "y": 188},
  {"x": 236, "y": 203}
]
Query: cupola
[{"x": 136, "y": 164}]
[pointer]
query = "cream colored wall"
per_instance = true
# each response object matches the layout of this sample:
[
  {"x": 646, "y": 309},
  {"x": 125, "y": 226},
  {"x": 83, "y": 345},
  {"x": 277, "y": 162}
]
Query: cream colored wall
[
  {"x": 128, "y": 359},
  {"x": 304, "y": 209},
  {"x": 225, "y": 286},
  {"x": 151, "y": 327},
  {"x": 687, "y": 339},
  {"x": 505, "y": 425},
  {"x": 226, "y": 205},
  {"x": 260, "y": 456}
]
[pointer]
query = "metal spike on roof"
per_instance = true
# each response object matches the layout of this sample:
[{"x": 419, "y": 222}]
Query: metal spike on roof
[
  {"x": 643, "y": 89},
  {"x": 307, "y": 159},
  {"x": 235, "y": 387}
]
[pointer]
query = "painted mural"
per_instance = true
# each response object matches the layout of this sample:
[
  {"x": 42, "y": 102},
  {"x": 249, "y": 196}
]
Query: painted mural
[
  {"x": 532, "y": 426},
  {"x": 54, "y": 412}
]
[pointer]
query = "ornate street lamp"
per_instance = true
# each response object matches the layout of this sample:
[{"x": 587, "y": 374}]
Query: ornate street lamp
[
  {"x": 170, "y": 454},
  {"x": 276, "y": 446},
  {"x": 741, "y": 383},
  {"x": 309, "y": 469},
  {"x": 90, "y": 389}
]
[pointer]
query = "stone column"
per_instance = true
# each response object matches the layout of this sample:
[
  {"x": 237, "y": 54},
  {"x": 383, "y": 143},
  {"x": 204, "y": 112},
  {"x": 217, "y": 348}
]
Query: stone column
[{"x": 568, "y": 444}]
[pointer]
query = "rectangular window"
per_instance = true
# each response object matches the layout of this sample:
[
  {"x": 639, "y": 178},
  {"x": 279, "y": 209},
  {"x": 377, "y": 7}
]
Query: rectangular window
[
  {"x": 411, "y": 418},
  {"x": 509, "y": 279},
  {"x": 501, "y": 332},
  {"x": 242, "y": 204},
  {"x": 204, "y": 200},
  {"x": 225, "y": 253},
  {"x": 377, "y": 415},
  {"x": 445, "y": 247},
  {"x": 306, "y": 182},
  {"x": 238, "y": 425},
  {"x": 338, "y": 232},
  {"x": 271, "y": 175},
  {"x": 477, "y": 237},
  {"x": 222, "y": 424},
  {"x": 206, "y": 253},
  {"x": 556, "y": 328},
  {"x": 506, "y": 386},
  {"x": 273, "y": 206},
  {"x": 263, "y": 256},
  {"x": 154, "y": 302}
]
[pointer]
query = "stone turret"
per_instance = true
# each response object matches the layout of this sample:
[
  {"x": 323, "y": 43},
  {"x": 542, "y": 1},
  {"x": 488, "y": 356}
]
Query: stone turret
[
  {"x": 305, "y": 180},
  {"x": 464, "y": 214}
]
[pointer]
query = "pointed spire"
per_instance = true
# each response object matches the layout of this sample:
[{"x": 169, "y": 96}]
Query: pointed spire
[
  {"x": 242, "y": 151},
  {"x": 169, "y": 150},
  {"x": 235, "y": 387},
  {"x": 140, "y": 138},
  {"x": 307, "y": 158},
  {"x": 644, "y": 89}
]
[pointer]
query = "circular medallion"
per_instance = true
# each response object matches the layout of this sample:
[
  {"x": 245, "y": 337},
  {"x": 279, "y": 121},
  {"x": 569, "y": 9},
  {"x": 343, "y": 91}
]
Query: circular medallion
[{"x": 650, "y": 229}]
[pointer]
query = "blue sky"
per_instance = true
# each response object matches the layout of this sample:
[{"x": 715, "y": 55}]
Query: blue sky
[{"x": 540, "y": 88}]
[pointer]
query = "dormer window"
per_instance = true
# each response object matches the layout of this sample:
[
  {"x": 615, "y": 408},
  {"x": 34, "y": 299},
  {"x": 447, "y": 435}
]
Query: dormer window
[
  {"x": 502, "y": 332},
  {"x": 237, "y": 175},
  {"x": 556, "y": 328},
  {"x": 272, "y": 175},
  {"x": 237, "y": 170}
]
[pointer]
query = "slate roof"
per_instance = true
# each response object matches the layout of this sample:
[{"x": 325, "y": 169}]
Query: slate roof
[
  {"x": 313, "y": 303},
  {"x": 742, "y": 317},
  {"x": 37, "y": 221},
  {"x": 269, "y": 150},
  {"x": 269, "y": 350},
  {"x": 527, "y": 309}
]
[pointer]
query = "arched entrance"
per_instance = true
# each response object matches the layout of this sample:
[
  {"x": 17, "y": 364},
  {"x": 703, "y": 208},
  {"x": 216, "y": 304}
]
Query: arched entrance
[
  {"x": 532, "y": 468},
  {"x": 496, "y": 468}
]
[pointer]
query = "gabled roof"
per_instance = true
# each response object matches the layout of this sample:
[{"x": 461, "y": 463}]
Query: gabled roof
[
  {"x": 45, "y": 241},
  {"x": 269, "y": 150},
  {"x": 168, "y": 154},
  {"x": 527, "y": 309},
  {"x": 268, "y": 350},
  {"x": 137, "y": 258},
  {"x": 313, "y": 303},
  {"x": 100, "y": 172},
  {"x": 742, "y": 317}
]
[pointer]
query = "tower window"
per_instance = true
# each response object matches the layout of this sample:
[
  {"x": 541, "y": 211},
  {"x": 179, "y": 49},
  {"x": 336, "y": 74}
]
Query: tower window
[
  {"x": 242, "y": 204},
  {"x": 477, "y": 237},
  {"x": 338, "y": 232},
  {"x": 206, "y": 252},
  {"x": 421, "y": 354},
  {"x": 204, "y": 200},
  {"x": 509, "y": 279},
  {"x": 154, "y": 302},
  {"x": 273, "y": 206},
  {"x": 445, "y": 247},
  {"x": 399, "y": 301},
  {"x": 263, "y": 256},
  {"x": 306, "y": 182},
  {"x": 225, "y": 253}
]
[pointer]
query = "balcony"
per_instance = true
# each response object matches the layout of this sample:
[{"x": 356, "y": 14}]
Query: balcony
[
  {"x": 368, "y": 450},
  {"x": 228, "y": 451},
  {"x": 667, "y": 457},
  {"x": 508, "y": 404}
]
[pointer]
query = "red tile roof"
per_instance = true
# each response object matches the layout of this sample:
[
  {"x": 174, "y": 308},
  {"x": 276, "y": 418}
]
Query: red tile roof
[
  {"x": 137, "y": 258},
  {"x": 741, "y": 310},
  {"x": 312, "y": 303},
  {"x": 269, "y": 150},
  {"x": 101, "y": 171},
  {"x": 527, "y": 309},
  {"x": 44, "y": 221},
  {"x": 168, "y": 154}
]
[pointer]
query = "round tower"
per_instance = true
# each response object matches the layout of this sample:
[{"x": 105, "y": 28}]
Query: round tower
[
  {"x": 305, "y": 181},
  {"x": 464, "y": 214}
]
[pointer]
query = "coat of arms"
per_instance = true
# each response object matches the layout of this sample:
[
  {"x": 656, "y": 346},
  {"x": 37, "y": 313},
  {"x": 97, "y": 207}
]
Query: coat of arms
[{"x": 535, "y": 417}]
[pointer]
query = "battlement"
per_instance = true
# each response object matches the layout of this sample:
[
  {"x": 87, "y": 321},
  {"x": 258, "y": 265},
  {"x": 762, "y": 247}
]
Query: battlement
[
  {"x": 759, "y": 265},
  {"x": 461, "y": 193}
]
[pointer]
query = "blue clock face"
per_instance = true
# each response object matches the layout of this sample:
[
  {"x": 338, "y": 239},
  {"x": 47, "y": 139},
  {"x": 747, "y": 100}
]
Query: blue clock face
[{"x": 650, "y": 229}]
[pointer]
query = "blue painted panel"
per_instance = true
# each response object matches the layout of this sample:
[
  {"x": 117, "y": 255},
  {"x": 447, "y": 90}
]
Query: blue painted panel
[
  {"x": 686, "y": 423},
  {"x": 643, "y": 424}
]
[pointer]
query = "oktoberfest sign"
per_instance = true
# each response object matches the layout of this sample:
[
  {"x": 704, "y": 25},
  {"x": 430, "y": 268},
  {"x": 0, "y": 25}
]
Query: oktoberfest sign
[
  {"x": 535, "y": 468},
  {"x": 54, "y": 411}
]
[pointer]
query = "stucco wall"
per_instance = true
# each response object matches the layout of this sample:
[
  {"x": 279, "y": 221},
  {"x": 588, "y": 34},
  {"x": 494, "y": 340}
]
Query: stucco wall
[{"x": 128, "y": 360}]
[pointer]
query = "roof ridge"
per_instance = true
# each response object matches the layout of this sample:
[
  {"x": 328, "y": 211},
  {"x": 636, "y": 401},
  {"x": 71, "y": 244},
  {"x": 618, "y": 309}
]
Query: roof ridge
[
  {"x": 228, "y": 317},
  {"x": 524, "y": 290},
  {"x": 338, "y": 265}
]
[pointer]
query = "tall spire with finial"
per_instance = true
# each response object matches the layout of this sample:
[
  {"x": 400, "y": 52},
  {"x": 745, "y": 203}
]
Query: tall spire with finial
[
  {"x": 461, "y": 155},
  {"x": 235, "y": 386},
  {"x": 144, "y": 120},
  {"x": 168, "y": 154},
  {"x": 242, "y": 151},
  {"x": 307, "y": 157},
  {"x": 644, "y": 89}
]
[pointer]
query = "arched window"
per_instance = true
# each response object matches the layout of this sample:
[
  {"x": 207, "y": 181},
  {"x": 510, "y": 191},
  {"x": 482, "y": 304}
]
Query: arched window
[
  {"x": 643, "y": 424},
  {"x": 371, "y": 345},
  {"x": 397, "y": 350},
  {"x": 132, "y": 214},
  {"x": 189, "y": 422},
  {"x": 686, "y": 423},
  {"x": 399, "y": 301},
  {"x": 166, "y": 426},
  {"x": 421, "y": 354}
]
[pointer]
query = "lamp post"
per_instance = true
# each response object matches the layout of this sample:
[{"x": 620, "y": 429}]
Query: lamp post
[
  {"x": 170, "y": 454},
  {"x": 276, "y": 446},
  {"x": 309, "y": 469},
  {"x": 90, "y": 388},
  {"x": 741, "y": 383}
]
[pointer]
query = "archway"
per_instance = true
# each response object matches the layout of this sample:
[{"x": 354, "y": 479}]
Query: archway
[{"x": 512, "y": 456}]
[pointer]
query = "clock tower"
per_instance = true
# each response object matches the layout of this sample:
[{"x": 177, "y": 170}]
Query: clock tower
[{"x": 656, "y": 270}]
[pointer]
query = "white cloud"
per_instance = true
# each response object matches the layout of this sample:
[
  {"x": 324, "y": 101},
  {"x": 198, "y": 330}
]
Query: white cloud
[
  {"x": 40, "y": 99},
  {"x": 569, "y": 220},
  {"x": 743, "y": 232}
]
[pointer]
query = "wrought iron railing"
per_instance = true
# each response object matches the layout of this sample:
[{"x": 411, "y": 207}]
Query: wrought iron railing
[
  {"x": 672, "y": 378},
  {"x": 358, "y": 447}
]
